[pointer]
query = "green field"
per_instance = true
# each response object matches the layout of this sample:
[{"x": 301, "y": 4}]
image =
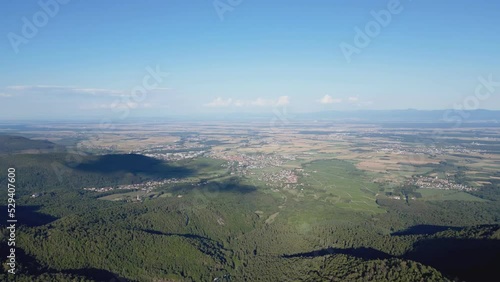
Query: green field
[
  {"x": 341, "y": 184},
  {"x": 447, "y": 195}
]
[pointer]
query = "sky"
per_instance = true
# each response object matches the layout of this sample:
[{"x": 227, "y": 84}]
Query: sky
[{"x": 120, "y": 59}]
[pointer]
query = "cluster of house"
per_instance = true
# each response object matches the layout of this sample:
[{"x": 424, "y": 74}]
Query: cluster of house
[
  {"x": 438, "y": 183},
  {"x": 140, "y": 186},
  {"x": 283, "y": 176},
  {"x": 176, "y": 156},
  {"x": 429, "y": 150},
  {"x": 250, "y": 161},
  {"x": 173, "y": 152}
]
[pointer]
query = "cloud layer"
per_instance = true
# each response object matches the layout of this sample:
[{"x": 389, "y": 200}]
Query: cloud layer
[
  {"x": 259, "y": 102},
  {"x": 327, "y": 99},
  {"x": 18, "y": 90}
]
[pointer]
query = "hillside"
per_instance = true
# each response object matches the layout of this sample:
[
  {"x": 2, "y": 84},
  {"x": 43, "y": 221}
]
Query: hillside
[{"x": 17, "y": 144}]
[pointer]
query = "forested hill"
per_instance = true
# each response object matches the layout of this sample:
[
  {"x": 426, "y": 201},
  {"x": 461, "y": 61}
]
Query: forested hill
[{"x": 16, "y": 144}]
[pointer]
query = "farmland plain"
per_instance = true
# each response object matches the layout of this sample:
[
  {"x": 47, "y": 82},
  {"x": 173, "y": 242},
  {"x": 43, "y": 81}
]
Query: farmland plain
[{"x": 246, "y": 201}]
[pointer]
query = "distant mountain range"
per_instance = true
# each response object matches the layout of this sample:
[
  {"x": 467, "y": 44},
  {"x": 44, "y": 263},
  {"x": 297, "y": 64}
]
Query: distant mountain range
[
  {"x": 441, "y": 116},
  {"x": 410, "y": 115},
  {"x": 278, "y": 115}
]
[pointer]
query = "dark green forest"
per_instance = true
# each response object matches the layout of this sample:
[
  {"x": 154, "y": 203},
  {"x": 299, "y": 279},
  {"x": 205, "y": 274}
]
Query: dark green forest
[{"x": 68, "y": 234}]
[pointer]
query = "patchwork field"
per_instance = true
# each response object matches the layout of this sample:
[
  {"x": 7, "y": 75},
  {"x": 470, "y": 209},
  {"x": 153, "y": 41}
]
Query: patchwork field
[
  {"x": 242, "y": 199},
  {"x": 341, "y": 184}
]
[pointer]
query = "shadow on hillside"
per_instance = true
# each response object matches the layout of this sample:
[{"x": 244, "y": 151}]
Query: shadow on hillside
[
  {"x": 96, "y": 274},
  {"x": 133, "y": 163},
  {"x": 424, "y": 230},
  {"x": 30, "y": 266},
  {"x": 363, "y": 253},
  {"x": 189, "y": 236},
  {"x": 27, "y": 262},
  {"x": 460, "y": 259},
  {"x": 203, "y": 244},
  {"x": 27, "y": 215},
  {"x": 230, "y": 186},
  {"x": 467, "y": 259}
]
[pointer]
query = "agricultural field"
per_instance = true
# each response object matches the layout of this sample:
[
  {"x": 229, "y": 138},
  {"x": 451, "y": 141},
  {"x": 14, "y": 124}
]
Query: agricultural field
[
  {"x": 238, "y": 198},
  {"x": 340, "y": 183},
  {"x": 447, "y": 195}
]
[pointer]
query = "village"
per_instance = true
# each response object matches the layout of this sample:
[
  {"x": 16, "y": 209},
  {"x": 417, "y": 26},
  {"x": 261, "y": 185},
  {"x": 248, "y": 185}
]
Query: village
[
  {"x": 175, "y": 156},
  {"x": 425, "y": 182},
  {"x": 250, "y": 164},
  {"x": 252, "y": 161},
  {"x": 146, "y": 186},
  {"x": 428, "y": 150}
]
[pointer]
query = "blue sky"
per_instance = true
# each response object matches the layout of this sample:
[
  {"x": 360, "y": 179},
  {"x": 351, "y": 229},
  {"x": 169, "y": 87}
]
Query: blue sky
[{"x": 86, "y": 58}]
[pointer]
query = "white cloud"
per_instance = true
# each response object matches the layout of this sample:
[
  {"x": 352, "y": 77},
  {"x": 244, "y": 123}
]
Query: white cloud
[
  {"x": 283, "y": 101},
  {"x": 119, "y": 105},
  {"x": 259, "y": 102},
  {"x": 239, "y": 103},
  {"x": 327, "y": 99},
  {"x": 33, "y": 87},
  {"x": 5, "y": 95},
  {"x": 96, "y": 91},
  {"x": 353, "y": 99},
  {"x": 54, "y": 89},
  {"x": 64, "y": 90},
  {"x": 219, "y": 102},
  {"x": 364, "y": 104}
]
